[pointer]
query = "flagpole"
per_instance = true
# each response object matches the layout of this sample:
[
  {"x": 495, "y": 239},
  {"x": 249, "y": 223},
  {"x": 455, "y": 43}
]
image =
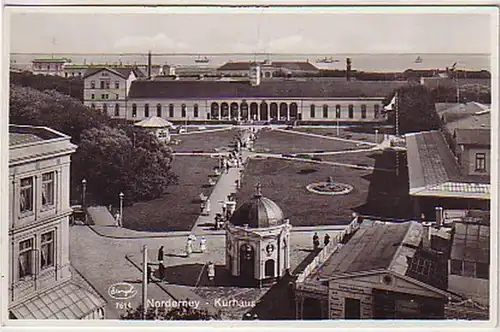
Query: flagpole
[
  {"x": 144, "y": 281},
  {"x": 396, "y": 104}
]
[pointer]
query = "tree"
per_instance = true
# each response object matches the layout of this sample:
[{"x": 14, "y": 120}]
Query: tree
[
  {"x": 161, "y": 313},
  {"x": 72, "y": 87},
  {"x": 53, "y": 109},
  {"x": 417, "y": 110},
  {"x": 111, "y": 162}
]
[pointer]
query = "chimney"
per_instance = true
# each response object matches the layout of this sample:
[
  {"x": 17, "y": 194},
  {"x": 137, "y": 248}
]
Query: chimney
[
  {"x": 439, "y": 216},
  {"x": 149, "y": 64},
  {"x": 348, "y": 69}
]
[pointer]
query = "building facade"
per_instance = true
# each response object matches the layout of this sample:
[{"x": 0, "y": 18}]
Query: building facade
[
  {"x": 53, "y": 67},
  {"x": 106, "y": 89},
  {"x": 269, "y": 69},
  {"x": 40, "y": 279}
]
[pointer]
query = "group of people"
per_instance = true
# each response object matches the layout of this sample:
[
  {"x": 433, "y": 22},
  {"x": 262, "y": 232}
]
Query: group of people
[
  {"x": 234, "y": 159},
  {"x": 316, "y": 243}
]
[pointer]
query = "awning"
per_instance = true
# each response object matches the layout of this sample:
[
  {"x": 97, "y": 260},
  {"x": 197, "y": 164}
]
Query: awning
[{"x": 68, "y": 301}]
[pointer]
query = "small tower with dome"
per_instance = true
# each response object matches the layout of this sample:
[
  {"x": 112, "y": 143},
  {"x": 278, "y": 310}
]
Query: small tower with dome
[{"x": 258, "y": 242}]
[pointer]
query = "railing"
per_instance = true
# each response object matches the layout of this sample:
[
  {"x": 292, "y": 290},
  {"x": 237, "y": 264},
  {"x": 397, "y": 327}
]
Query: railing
[{"x": 327, "y": 250}]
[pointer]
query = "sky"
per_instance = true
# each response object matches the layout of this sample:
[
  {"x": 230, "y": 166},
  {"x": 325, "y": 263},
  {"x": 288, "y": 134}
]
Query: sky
[{"x": 287, "y": 31}]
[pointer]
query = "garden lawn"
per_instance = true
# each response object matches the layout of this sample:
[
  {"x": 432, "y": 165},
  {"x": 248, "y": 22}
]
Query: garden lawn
[
  {"x": 287, "y": 142},
  {"x": 347, "y": 133},
  {"x": 203, "y": 141},
  {"x": 285, "y": 182},
  {"x": 180, "y": 207}
]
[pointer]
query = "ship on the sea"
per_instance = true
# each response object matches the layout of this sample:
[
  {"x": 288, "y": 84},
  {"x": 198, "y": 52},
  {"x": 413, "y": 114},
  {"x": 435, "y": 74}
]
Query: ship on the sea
[
  {"x": 327, "y": 60},
  {"x": 202, "y": 60},
  {"x": 418, "y": 60}
]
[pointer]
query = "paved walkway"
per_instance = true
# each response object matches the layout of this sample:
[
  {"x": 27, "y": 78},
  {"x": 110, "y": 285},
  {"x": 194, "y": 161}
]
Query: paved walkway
[
  {"x": 101, "y": 216},
  {"x": 325, "y": 137},
  {"x": 225, "y": 186}
]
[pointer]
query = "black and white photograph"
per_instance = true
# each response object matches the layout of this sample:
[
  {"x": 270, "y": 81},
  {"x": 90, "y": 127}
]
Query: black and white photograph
[{"x": 259, "y": 163}]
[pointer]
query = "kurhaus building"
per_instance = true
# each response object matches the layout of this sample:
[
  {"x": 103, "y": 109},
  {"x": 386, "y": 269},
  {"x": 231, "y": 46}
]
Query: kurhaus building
[{"x": 255, "y": 98}]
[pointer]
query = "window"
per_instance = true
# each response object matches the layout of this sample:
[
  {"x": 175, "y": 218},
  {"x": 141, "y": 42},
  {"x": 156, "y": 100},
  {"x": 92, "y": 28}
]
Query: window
[
  {"x": 102, "y": 84},
  {"x": 134, "y": 110},
  {"x": 480, "y": 162},
  {"x": 117, "y": 85},
  {"x": 92, "y": 84},
  {"x": 363, "y": 111},
  {"x": 117, "y": 96},
  {"x": 171, "y": 110},
  {"x": 183, "y": 110},
  {"x": 195, "y": 110},
  {"x": 337, "y": 111},
  {"x": 351, "y": 111},
  {"x": 107, "y": 84},
  {"x": 117, "y": 109},
  {"x": 25, "y": 258},
  {"x": 146, "y": 110},
  {"x": 92, "y": 96},
  {"x": 325, "y": 111},
  {"x": 48, "y": 189},
  {"x": 105, "y": 74},
  {"x": 158, "y": 110},
  {"x": 482, "y": 270},
  {"x": 313, "y": 113},
  {"x": 456, "y": 267},
  {"x": 47, "y": 250},
  {"x": 105, "y": 108},
  {"x": 103, "y": 96},
  {"x": 26, "y": 199},
  {"x": 352, "y": 308},
  {"x": 376, "y": 110}
]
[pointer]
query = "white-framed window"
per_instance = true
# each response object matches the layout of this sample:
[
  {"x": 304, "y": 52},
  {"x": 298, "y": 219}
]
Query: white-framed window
[
  {"x": 117, "y": 85},
  {"x": 26, "y": 195},
  {"x": 107, "y": 84},
  {"x": 312, "y": 111},
  {"x": 481, "y": 162},
  {"x": 92, "y": 84},
  {"x": 92, "y": 96},
  {"x": 25, "y": 258},
  {"x": 325, "y": 111},
  {"x": 363, "y": 111},
  {"x": 47, "y": 250},
  {"x": 183, "y": 110},
  {"x": 48, "y": 189}
]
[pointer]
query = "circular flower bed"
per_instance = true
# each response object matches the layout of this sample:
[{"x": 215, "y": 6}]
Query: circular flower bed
[{"x": 330, "y": 188}]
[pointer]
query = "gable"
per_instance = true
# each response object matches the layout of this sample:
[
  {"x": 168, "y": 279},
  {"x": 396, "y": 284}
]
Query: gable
[
  {"x": 385, "y": 280},
  {"x": 95, "y": 73}
]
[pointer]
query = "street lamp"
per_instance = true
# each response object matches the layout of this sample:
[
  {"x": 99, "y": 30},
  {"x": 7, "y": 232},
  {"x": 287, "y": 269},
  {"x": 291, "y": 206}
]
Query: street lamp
[
  {"x": 120, "y": 221},
  {"x": 84, "y": 189},
  {"x": 376, "y": 136}
]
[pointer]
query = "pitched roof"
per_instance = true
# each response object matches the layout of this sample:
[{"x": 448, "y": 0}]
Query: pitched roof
[
  {"x": 290, "y": 65},
  {"x": 308, "y": 88},
  {"x": 473, "y": 137},
  {"x": 471, "y": 242},
  {"x": 57, "y": 60},
  {"x": 376, "y": 246},
  {"x": 434, "y": 171},
  {"x": 154, "y": 122},
  {"x": 120, "y": 71}
]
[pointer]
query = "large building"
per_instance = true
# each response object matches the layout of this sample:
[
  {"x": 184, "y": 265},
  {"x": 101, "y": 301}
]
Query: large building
[
  {"x": 41, "y": 285},
  {"x": 377, "y": 270},
  {"x": 234, "y": 99},
  {"x": 53, "y": 67},
  {"x": 268, "y": 68}
]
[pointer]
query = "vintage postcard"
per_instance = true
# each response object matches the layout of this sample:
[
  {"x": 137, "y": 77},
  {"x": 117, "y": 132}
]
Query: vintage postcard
[{"x": 332, "y": 165}]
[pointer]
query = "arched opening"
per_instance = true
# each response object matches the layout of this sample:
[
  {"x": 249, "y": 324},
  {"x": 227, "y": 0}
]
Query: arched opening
[
  {"x": 214, "y": 111},
  {"x": 244, "y": 111},
  {"x": 195, "y": 110},
  {"x": 351, "y": 111},
  {"x": 171, "y": 110},
  {"x": 293, "y": 111},
  {"x": 273, "y": 110},
  {"x": 247, "y": 262},
  {"x": 269, "y": 268},
  {"x": 283, "y": 111},
  {"x": 254, "y": 110},
  {"x": 264, "y": 114},
  {"x": 117, "y": 109},
  {"x": 146, "y": 110},
  {"x": 234, "y": 111},
  {"x": 376, "y": 110},
  {"x": 105, "y": 108},
  {"x": 158, "y": 110},
  {"x": 325, "y": 111},
  {"x": 338, "y": 111},
  {"x": 183, "y": 110},
  {"x": 363, "y": 111},
  {"x": 134, "y": 110},
  {"x": 224, "y": 111}
]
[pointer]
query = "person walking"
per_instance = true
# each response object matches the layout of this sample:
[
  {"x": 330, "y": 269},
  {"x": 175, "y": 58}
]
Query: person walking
[
  {"x": 207, "y": 207},
  {"x": 189, "y": 247},
  {"x": 315, "y": 241},
  {"x": 160, "y": 255},
  {"x": 326, "y": 240},
  {"x": 224, "y": 208},
  {"x": 203, "y": 244},
  {"x": 211, "y": 271}
]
